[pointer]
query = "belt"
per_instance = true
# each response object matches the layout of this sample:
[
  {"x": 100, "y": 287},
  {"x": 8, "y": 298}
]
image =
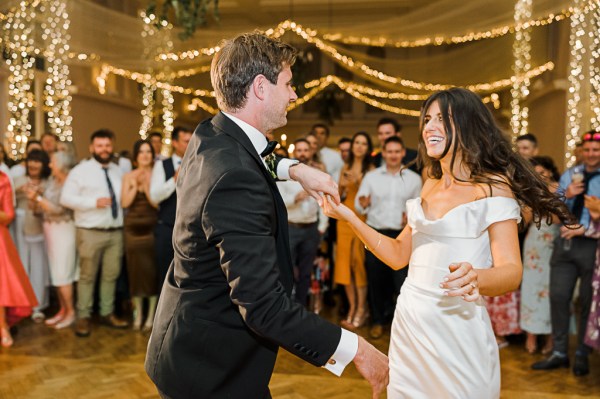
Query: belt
[
  {"x": 302, "y": 225},
  {"x": 102, "y": 229}
]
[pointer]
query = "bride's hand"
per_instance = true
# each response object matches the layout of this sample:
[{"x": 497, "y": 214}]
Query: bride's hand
[
  {"x": 340, "y": 212},
  {"x": 462, "y": 281}
]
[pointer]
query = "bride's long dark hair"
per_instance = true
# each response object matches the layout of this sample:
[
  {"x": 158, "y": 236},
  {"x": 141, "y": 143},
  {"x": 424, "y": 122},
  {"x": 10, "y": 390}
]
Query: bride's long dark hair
[{"x": 488, "y": 154}]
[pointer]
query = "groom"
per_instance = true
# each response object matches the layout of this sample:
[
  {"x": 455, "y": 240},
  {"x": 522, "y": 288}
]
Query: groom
[{"x": 226, "y": 308}]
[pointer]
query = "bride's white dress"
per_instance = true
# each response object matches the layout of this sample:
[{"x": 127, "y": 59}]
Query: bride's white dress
[{"x": 444, "y": 347}]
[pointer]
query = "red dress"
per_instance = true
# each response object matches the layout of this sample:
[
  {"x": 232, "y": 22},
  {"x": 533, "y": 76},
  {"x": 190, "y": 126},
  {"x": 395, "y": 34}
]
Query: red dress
[{"x": 16, "y": 294}]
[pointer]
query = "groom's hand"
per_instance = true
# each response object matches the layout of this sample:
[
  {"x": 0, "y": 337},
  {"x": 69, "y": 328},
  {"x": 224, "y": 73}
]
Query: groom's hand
[
  {"x": 373, "y": 366},
  {"x": 315, "y": 182}
]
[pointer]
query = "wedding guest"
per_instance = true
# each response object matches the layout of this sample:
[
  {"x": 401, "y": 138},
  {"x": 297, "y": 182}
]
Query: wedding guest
[
  {"x": 344, "y": 147},
  {"x": 573, "y": 259},
  {"x": 527, "y": 145},
  {"x": 93, "y": 191},
  {"x": 16, "y": 295},
  {"x": 306, "y": 223},
  {"x": 68, "y": 147},
  {"x": 156, "y": 139},
  {"x": 30, "y": 229},
  {"x": 382, "y": 198},
  {"x": 331, "y": 158},
  {"x": 537, "y": 250},
  {"x": 140, "y": 221},
  {"x": 18, "y": 169},
  {"x": 49, "y": 142},
  {"x": 59, "y": 233},
  {"x": 386, "y": 128},
  {"x": 162, "y": 192},
  {"x": 350, "y": 254}
]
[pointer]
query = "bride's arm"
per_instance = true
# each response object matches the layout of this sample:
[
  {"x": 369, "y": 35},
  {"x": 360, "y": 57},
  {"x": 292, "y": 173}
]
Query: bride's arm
[{"x": 394, "y": 252}]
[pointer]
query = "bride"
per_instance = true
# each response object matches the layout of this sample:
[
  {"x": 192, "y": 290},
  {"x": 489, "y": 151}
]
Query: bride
[{"x": 461, "y": 243}]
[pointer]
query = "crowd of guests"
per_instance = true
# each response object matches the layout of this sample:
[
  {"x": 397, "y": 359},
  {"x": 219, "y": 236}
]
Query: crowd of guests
[{"x": 64, "y": 222}]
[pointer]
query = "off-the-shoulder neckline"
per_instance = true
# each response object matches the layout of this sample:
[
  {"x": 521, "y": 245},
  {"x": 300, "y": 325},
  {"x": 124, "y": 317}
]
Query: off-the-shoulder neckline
[{"x": 480, "y": 200}]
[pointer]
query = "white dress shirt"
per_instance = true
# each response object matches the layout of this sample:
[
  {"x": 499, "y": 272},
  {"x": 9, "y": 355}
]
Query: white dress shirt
[
  {"x": 389, "y": 193},
  {"x": 125, "y": 165},
  {"x": 17, "y": 170},
  {"x": 84, "y": 185},
  {"x": 333, "y": 161},
  {"x": 303, "y": 212},
  {"x": 348, "y": 345},
  {"x": 160, "y": 187},
  {"x": 259, "y": 142}
]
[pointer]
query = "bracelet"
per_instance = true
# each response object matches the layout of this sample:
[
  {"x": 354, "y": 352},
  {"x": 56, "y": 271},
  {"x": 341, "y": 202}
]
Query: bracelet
[{"x": 377, "y": 246}]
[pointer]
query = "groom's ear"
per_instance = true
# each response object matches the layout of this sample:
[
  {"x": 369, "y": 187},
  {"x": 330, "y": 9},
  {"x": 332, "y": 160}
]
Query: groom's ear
[{"x": 259, "y": 87}]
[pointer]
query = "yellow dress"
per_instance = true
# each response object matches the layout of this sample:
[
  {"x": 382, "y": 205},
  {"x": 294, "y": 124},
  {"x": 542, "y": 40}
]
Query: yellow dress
[{"x": 350, "y": 251}]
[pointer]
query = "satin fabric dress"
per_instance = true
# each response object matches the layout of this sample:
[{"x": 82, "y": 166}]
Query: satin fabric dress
[
  {"x": 444, "y": 347},
  {"x": 16, "y": 294}
]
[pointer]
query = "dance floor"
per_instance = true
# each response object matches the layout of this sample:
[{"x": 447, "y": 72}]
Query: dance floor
[{"x": 45, "y": 363}]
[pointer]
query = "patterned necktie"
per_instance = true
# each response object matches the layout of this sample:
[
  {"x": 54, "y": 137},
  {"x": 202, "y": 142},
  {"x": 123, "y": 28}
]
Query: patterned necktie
[{"x": 113, "y": 197}]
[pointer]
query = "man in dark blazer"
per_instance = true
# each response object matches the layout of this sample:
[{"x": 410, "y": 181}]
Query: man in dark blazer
[{"x": 226, "y": 308}]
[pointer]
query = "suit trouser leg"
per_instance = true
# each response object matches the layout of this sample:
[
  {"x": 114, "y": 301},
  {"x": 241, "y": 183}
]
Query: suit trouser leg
[
  {"x": 585, "y": 264},
  {"x": 565, "y": 268},
  {"x": 163, "y": 235},
  {"x": 111, "y": 268},
  {"x": 90, "y": 245}
]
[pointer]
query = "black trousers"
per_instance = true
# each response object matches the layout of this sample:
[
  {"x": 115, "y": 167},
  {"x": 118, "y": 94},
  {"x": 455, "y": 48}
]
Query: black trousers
[
  {"x": 163, "y": 243},
  {"x": 566, "y": 266},
  {"x": 304, "y": 243},
  {"x": 384, "y": 284}
]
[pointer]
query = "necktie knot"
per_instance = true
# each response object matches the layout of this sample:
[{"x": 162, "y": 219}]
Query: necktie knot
[{"x": 271, "y": 145}]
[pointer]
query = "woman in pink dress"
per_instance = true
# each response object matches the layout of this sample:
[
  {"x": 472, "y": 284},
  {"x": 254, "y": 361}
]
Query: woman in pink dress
[{"x": 16, "y": 295}]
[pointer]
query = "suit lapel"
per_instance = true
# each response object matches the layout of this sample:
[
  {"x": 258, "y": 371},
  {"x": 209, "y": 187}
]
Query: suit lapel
[{"x": 230, "y": 128}]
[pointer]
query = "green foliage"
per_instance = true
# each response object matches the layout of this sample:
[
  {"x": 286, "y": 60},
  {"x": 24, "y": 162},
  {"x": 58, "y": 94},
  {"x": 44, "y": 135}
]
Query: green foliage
[{"x": 188, "y": 14}]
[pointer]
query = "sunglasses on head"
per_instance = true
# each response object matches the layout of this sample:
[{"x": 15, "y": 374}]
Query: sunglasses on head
[{"x": 595, "y": 136}]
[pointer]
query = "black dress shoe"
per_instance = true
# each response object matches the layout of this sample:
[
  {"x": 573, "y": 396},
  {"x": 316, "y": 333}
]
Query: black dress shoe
[
  {"x": 553, "y": 362},
  {"x": 581, "y": 366}
]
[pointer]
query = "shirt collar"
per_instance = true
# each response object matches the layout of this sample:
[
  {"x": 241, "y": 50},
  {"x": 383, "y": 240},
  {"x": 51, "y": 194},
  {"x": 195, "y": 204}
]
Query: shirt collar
[
  {"x": 176, "y": 158},
  {"x": 258, "y": 140},
  {"x": 384, "y": 171}
]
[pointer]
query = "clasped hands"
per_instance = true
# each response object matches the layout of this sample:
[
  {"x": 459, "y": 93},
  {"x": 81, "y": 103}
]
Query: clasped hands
[{"x": 462, "y": 281}]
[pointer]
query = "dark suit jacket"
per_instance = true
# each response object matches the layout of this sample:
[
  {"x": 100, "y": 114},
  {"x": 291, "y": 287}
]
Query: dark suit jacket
[{"x": 225, "y": 307}]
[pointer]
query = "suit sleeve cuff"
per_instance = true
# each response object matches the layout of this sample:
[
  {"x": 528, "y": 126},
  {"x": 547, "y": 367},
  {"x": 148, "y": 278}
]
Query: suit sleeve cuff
[
  {"x": 283, "y": 168},
  {"x": 343, "y": 355}
]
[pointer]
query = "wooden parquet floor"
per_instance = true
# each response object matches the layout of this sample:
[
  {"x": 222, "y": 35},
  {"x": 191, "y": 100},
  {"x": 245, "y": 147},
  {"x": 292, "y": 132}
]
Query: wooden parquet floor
[{"x": 45, "y": 363}]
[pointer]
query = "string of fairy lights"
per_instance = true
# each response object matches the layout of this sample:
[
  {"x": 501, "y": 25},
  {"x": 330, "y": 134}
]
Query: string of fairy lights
[
  {"x": 57, "y": 97},
  {"x": 20, "y": 80},
  {"x": 576, "y": 75},
  {"x": 594, "y": 70},
  {"x": 522, "y": 65}
]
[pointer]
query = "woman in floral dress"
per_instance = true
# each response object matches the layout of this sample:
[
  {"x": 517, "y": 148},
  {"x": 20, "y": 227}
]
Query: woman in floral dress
[{"x": 537, "y": 250}]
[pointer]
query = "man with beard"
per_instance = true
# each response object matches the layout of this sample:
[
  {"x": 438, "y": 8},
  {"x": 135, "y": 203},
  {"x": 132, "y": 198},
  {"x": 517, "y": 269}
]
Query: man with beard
[
  {"x": 306, "y": 223},
  {"x": 93, "y": 191}
]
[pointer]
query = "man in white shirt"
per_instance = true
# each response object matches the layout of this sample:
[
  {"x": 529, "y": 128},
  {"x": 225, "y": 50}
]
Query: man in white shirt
[
  {"x": 306, "y": 222},
  {"x": 162, "y": 192},
  {"x": 382, "y": 197},
  {"x": 93, "y": 191},
  {"x": 331, "y": 158},
  {"x": 386, "y": 128}
]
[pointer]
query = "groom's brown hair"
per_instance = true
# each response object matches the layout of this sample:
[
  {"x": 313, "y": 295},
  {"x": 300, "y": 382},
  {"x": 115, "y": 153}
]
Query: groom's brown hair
[{"x": 240, "y": 60}]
